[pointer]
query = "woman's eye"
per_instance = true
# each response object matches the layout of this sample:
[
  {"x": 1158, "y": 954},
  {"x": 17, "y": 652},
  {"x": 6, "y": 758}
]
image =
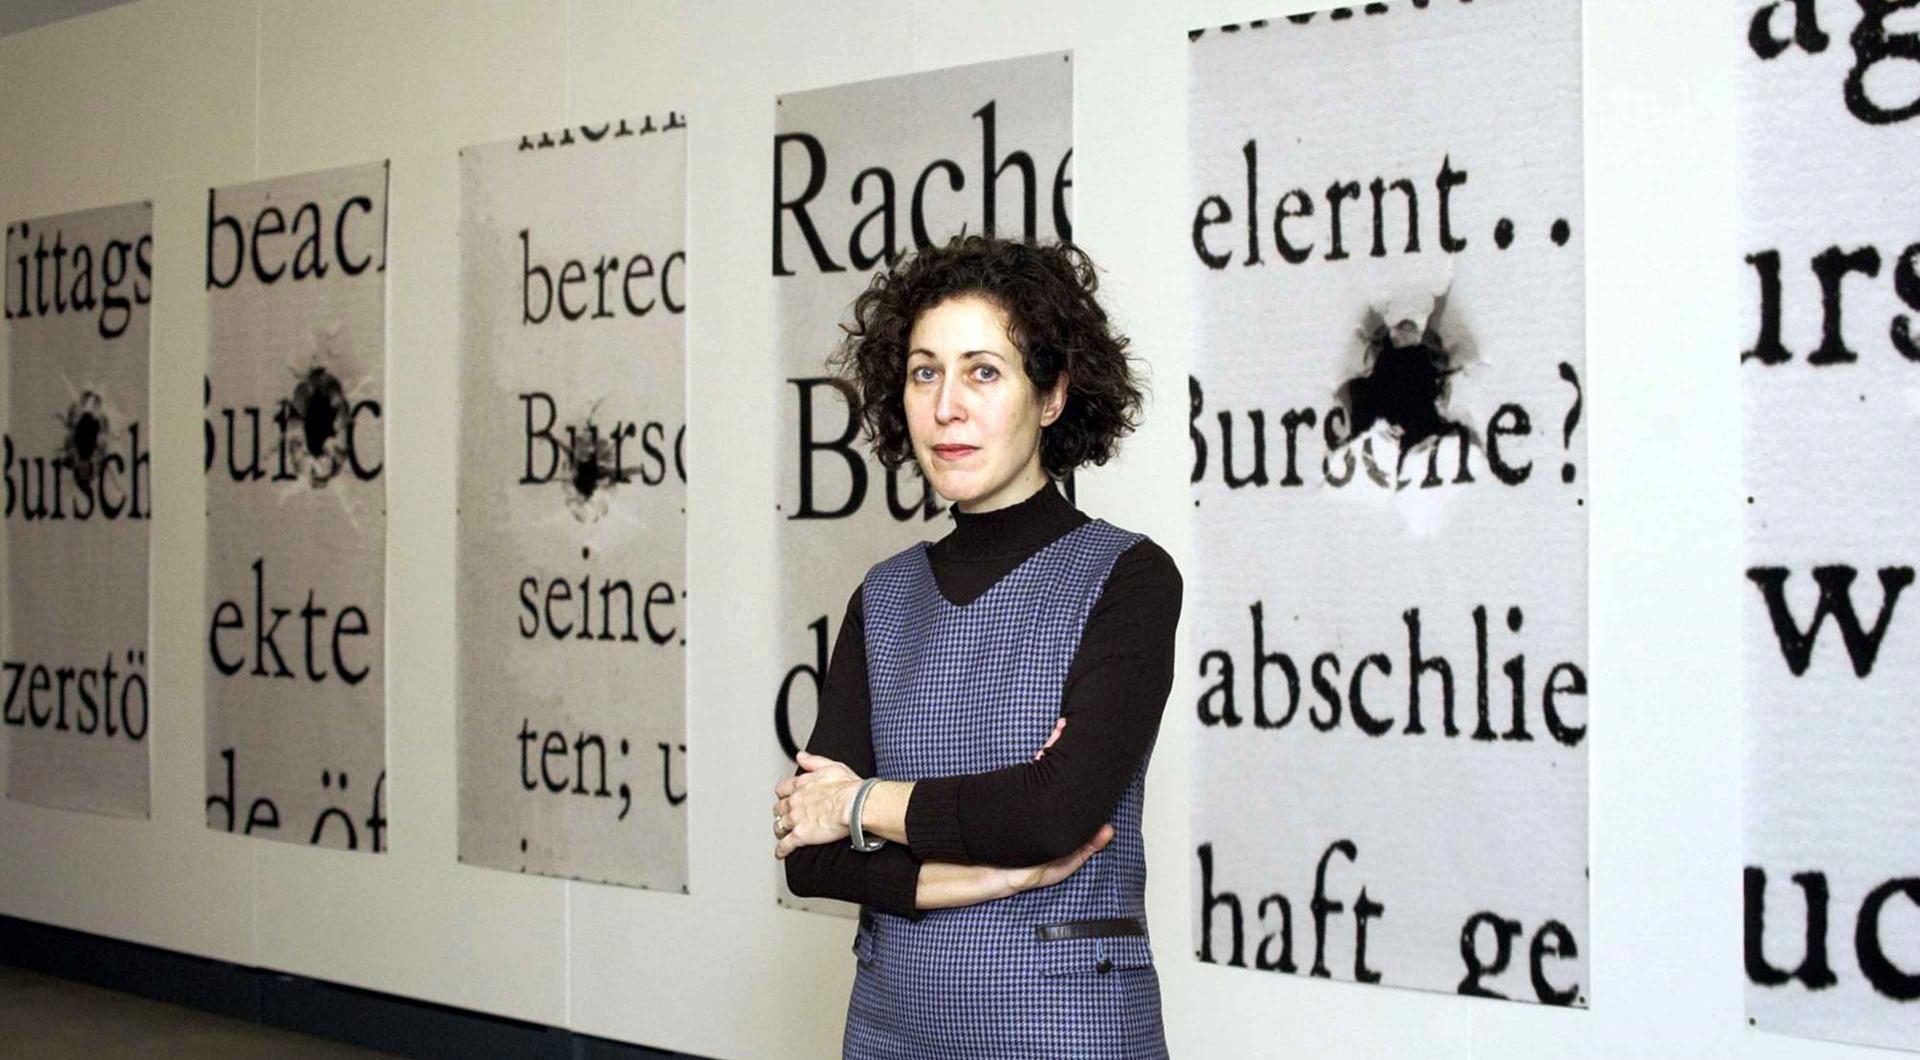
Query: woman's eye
[
  {"x": 921, "y": 378},
  {"x": 991, "y": 372}
]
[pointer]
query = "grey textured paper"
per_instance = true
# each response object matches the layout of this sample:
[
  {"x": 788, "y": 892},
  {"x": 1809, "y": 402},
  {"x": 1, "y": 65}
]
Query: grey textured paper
[
  {"x": 1828, "y": 204},
  {"x": 79, "y": 501},
  {"x": 1376, "y": 194},
  {"x": 296, "y": 508},
  {"x": 572, "y": 530},
  {"x": 862, "y": 171}
]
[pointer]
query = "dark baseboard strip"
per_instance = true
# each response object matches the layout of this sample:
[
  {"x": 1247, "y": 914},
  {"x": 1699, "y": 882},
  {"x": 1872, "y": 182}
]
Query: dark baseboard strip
[
  {"x": 177, "y": 978},
  {"x": 366, "y": 1018}
]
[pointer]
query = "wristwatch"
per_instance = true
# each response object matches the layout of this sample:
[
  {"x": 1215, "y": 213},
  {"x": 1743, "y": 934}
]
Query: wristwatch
[{"x": 856, "y": 836}]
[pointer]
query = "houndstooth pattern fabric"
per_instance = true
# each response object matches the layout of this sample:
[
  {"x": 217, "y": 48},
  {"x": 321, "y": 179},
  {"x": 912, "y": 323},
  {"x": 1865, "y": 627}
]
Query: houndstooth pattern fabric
[{"x": 968, "y": 689}]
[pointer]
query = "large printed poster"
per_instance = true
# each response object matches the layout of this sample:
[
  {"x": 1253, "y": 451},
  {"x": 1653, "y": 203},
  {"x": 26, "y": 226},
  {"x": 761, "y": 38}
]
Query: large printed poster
[
  {"x": 79, "y": 501},
  {"x": 864, "y": 173},
  {"x": 572, "y": 529},
  {"x": 1389, "y": 485},
  {"x": 1829, "y": 207},
  {"x": 296, "y": 508}
]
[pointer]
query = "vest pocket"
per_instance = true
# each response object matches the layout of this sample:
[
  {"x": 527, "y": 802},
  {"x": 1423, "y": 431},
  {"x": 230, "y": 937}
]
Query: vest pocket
[{"x": 1100, "y": 955}]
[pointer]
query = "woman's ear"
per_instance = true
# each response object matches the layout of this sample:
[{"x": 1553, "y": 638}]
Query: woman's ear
[{"x": 1056, "y": 400}]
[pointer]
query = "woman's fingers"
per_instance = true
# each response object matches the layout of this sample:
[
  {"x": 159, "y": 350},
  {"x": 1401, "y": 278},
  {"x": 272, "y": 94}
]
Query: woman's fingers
[
  {"x": 1052, "y": 872},
  {"x": 1089, "y": 848},
  {"x": 815, "y": 763},
  {"x": 805, "y": 810},
  {"x": 804, "y": 834},
  {"x": 1058, "y": 726},
  {"x": 1096, "y": 843}
]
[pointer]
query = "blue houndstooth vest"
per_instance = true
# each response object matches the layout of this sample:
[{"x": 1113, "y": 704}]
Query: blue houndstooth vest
[{"x": 967, "y": 689}]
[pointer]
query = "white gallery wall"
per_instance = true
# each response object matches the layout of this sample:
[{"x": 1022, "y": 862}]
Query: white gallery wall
[{"x": 163, "y": 99}]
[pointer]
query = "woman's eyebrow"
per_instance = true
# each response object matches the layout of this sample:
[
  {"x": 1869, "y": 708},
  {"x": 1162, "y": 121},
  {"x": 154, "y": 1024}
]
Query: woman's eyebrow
[{"x": 970, "y": 353}]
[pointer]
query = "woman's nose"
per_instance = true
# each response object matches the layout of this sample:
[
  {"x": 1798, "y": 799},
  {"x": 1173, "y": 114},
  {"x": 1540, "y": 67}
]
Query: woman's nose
[{"x": 948, "y": 405}]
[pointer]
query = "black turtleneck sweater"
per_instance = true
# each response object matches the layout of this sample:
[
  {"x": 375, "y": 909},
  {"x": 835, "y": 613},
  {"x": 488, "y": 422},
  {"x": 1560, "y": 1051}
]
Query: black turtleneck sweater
[{"x": 1026, "y": 814}]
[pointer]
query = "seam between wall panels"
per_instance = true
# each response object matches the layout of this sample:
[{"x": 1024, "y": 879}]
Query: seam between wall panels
[
  {"x": 567, "y": 888},
  {"x": 566, "y": 956},
  {"x": 259, "y": 19},
  {"x": 253, "y": 849}
]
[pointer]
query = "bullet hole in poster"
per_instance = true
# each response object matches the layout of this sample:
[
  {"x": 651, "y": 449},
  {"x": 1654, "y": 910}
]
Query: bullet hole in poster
[
  {"x": 318, "y": 414},
  {"x": 87, "y": 430},
  {"x": 593, "y": 468},
  {"x": 1404, "y": 384}
]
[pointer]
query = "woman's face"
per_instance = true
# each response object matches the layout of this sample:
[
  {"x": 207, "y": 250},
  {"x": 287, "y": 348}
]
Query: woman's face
[{"x": 972, "y": 413}]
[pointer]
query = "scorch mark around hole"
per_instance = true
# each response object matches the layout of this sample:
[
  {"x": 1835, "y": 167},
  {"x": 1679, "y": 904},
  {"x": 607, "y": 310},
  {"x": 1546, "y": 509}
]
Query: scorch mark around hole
[
  {"x": 1404, "y": 384},
  {"x": 319, "y": 408},
  {"x": 87, "y": 428}
]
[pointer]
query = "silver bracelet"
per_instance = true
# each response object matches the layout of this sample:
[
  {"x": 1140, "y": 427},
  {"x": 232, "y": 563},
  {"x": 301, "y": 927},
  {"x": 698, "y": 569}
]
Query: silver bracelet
[{"x": 858, "y": 837}]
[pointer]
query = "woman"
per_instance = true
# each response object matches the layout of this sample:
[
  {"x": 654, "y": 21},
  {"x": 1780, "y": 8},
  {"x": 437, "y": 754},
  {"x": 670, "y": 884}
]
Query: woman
[{"x": 1007, "y": 680}]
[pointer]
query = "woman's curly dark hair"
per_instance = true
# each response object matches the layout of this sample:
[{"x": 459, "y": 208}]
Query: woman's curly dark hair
[{"x": 1047, "y": 292}]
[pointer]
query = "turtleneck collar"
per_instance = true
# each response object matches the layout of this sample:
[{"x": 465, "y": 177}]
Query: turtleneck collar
[{"x": 1017, "y": 530}]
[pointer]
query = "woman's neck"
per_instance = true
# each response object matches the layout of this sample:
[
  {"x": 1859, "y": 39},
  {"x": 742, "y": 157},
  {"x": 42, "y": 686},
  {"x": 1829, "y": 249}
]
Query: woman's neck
[
  {"x": 1022, "y": 487},
  {"x": 1015, "y": 530}
]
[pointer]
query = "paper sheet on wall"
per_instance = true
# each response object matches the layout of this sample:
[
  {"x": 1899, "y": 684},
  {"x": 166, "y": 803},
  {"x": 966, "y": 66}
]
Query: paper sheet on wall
[
  {"x": 572, "y": 528},
  {"x": 1389, "y": 609},
  {"x": 296, "y": 508},
  {"x": 1830, "y": 240},
  {"x": 79, "y": 502},
  {"x": 864, "y": 173}
]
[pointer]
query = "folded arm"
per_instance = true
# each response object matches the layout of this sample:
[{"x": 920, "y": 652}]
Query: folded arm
[
  {"x": 1037, "y": 811},
  {"x": 894, "y": 879},
  {"x": 1113, "y": 699},
  {"x": 889, "y": 878}
]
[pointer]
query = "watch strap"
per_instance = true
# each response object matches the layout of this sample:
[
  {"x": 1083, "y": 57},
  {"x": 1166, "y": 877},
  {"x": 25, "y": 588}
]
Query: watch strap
[{"x": 856, "y": 835}]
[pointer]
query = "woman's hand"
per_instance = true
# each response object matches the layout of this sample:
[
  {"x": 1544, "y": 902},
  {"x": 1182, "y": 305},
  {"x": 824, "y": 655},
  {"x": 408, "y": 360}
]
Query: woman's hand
[
  {"x": 1058, "y": 728},
  {"x": 814, "y": 807},
  {"x": 1034, "y": 877},
  {"x": 947, "y": 885},
  {"x": 817, "y": 807}
]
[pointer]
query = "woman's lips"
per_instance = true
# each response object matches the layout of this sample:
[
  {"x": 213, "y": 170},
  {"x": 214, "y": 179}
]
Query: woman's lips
[{"x": 954, "y": 452}]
